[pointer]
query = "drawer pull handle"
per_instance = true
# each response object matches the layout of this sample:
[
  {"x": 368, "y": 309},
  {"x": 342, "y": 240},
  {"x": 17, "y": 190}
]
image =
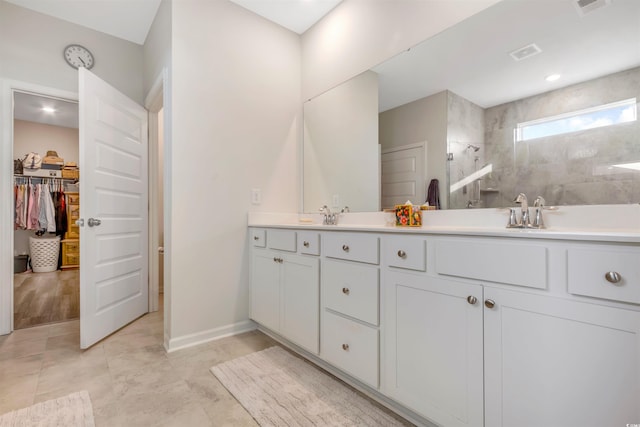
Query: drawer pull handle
[
  {"x": 305, "y": 244},
  {"x": 345, "y": 347},
  {"x": 402, "y": 254},
  {"x": 345, "y": 248},
  {"x": 279, "y": 260},
  {"x": 613, "y": 277},
  {"x": 489, "y": 303},
  {"x": 472, "y": 300},
  {"x": 345, "y": 291},
  {"x": 256, "y": 238}
]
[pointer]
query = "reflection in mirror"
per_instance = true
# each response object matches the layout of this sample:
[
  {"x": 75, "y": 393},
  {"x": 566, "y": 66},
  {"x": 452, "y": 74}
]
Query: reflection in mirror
[
  {"x": 474, "y": 106},
  {"x": 341, "y": 147}
]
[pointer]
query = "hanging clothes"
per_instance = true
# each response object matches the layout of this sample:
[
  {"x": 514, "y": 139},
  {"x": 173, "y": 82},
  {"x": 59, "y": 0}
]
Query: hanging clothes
[{"x": 433, "y": 194}]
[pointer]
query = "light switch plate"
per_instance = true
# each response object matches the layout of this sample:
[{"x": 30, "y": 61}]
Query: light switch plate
[{"x": 256, "y": 196}]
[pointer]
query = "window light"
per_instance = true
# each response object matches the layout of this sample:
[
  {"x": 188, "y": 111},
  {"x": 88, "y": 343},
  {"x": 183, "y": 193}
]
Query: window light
[{"x": 590, "y": 118}]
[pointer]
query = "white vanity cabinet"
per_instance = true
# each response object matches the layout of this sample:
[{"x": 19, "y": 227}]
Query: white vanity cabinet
[
  {"x": 349, "y": 337},
  {"x": 433, "y": 337},
  {"x": 462, "y": 330},
  {"x": 518, "y": 350},
  {"x": 555, "y": 362},
  {"x": 285, "y": 288}
]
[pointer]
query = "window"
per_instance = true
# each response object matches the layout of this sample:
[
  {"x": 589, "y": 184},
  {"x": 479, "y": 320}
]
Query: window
[{"x": 590, "y": 118}]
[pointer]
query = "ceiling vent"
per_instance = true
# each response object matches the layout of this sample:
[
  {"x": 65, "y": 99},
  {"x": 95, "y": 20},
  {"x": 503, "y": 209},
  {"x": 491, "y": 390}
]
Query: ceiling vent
[
  {"x": 588, "y": 6},
  {"x": 525, "y": 52}
]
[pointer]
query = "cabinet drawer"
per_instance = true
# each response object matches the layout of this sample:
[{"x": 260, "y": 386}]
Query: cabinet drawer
[
  {"x": 284, "y": 240},
  {"x": 73, "y": 198},
  {"x": 73, "y": 232},
  {"x": 69, "y": 247},
  {"x": 590, "y": 273},
  {"x": 71, "y": 259},
  {"x": 309, "y": 242},
  {"x": 74, "y": 212},
  {"x": 352, "y": 246},
  {"x": 351, "y": 289},
  {"x": 405, "y": 252},
  {"x": 496, "y": 261},
  {"x": 351, "y": 346},
  {"x": 258, "y": 237}
]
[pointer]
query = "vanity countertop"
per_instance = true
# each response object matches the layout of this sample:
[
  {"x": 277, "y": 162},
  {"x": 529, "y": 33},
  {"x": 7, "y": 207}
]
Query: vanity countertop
[{"x": 618, "y": 225}]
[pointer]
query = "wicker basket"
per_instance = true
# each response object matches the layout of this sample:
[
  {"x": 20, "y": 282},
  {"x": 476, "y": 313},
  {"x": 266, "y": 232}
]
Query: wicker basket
[
  {"x": 71, "y": 173},
  {"x": 44, "y": 253}
]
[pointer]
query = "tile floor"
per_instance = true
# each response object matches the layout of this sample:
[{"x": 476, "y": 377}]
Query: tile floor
[{"x": 131, "y": 379}]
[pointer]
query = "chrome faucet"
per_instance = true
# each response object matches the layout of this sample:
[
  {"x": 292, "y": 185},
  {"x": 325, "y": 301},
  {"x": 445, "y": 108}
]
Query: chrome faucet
[
  {"x": 524, "y": 221},
  {"x": 538, "y": 221},
  {"x": 328, "y": 217}
]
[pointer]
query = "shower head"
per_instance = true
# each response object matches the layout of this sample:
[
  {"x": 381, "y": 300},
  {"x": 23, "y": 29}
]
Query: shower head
[{"x": 475, "y": 148}]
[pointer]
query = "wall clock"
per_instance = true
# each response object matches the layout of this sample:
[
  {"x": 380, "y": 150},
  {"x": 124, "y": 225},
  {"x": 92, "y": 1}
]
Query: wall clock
[{"x": 78, "y": 56}]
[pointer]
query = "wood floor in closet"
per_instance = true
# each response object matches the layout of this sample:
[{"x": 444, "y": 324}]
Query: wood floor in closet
[{"x": 41, "y": 298}]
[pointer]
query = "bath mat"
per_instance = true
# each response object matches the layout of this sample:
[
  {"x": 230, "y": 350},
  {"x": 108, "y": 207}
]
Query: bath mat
[
  {"x": 74, "y": 410},
  {"x": 279, "y": 389}
]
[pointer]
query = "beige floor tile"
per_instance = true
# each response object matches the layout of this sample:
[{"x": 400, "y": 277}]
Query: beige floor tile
[
  {"x": 64, "y": 328},
  {"x": 117, "y": 344},
  {"x": 17, "y": 392},
  {"x": 21, "y": 366},
  {"x": 11, "y": 349}
]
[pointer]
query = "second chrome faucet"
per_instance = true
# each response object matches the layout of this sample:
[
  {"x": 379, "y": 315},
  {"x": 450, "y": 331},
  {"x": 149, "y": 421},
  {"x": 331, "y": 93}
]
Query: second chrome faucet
[{"x": 524, "y": 220}]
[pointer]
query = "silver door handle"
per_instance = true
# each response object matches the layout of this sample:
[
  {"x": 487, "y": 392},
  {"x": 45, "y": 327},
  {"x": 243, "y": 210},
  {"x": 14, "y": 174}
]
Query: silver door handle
[{"x": 93, "y": 222}]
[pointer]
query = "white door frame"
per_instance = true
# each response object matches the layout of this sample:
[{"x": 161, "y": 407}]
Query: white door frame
[
  {"x": 6, "y": 184},
  {"x": 154, "y": 102},
  {"x": 157, "y": 97}
]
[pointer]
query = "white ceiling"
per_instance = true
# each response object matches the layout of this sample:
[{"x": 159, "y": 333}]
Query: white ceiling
[
  {"x": 472, "y": 58},
  {"x": 29, "y": 107},
  {"x": 295, "y": 15},
  {"x": 128, "y": 20}
]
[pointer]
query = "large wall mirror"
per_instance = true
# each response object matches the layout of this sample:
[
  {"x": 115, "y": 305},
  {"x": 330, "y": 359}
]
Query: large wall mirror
[{"x": 538, "y": 97}]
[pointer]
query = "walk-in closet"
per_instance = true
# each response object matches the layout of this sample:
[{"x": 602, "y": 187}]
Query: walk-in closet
[{"x": 46, "y": 281}]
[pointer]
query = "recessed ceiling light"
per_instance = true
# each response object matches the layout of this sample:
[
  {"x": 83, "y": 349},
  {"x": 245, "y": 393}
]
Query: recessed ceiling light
[
  {"x": 552, "y": 77},
  {"x": 48, "y": 109}
]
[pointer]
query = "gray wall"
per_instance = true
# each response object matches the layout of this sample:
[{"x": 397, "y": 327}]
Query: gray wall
[
  {"x": 419, "y": 121},
  {"x": 31, "y": 46}
]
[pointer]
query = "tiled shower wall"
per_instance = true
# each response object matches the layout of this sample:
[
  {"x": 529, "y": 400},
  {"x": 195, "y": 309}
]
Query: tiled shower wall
[{"x": 569, "y": 169}]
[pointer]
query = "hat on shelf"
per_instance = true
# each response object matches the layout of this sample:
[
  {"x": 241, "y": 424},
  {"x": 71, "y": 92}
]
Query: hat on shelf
[{"x": 52, "y": 158}]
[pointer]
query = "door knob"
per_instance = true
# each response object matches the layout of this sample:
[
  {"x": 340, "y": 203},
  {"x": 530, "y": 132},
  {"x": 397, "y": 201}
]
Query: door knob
[
  {"x": 489, "y": 303},
  {"x": 93, "y": 222},
  {"x": 472, "y": 300},
  {"x": 345, "y": 248},
  {"x": 402, "y": 254}
]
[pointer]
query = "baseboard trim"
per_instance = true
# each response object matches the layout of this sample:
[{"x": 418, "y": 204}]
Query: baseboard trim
[{"x": 191, "y": 340}]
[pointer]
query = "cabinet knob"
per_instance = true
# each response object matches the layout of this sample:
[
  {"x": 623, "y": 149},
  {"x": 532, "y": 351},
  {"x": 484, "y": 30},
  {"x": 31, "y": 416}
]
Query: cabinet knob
[
  {"x": 613, "y": 276},
  {"x": 489, "y": 303},
  {"x": 402, "y": 254},
  {"x": 256, "y": 238},
  {"x": 472, "y": 300},
  {"x": 305, "y": 244},
  {"x": 345, "y": 291},
  {"x": 345, "y": 347},
  {"x": 345, "y": 248}
]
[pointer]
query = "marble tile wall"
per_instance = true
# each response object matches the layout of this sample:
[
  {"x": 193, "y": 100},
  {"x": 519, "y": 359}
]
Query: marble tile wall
[{"x": 569, "y": 169}]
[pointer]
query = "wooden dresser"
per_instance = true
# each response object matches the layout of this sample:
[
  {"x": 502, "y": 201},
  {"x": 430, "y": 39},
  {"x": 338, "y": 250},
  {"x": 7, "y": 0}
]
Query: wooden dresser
[{"x": 71, "y": 242}]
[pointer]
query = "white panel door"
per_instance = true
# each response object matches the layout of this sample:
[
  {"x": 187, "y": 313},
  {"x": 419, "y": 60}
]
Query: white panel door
[
  {"x": 433, "y": 347},
  {"x": 113, "y": 159},
  {"x": 553, "y": 362},
  {"x": 300, "y": 310},
  {"x": 403, "y": 176},
  {"x": 265, "y": 288}
]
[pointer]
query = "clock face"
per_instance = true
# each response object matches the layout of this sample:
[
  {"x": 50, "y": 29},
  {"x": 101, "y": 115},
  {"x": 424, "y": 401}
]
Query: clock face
[{"x": 78, "y": 56}]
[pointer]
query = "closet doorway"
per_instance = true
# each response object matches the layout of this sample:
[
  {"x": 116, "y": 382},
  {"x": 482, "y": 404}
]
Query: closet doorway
[{"x": 46, "y": 281}]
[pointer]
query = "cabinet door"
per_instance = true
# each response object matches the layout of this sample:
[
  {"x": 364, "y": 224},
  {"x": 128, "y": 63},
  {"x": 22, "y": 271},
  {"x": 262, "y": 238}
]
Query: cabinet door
[
  {"x": 553, "y": 362},
  {"x": 265, "y": 288},
  {"x": 433, "y": 347},
  {"x": 300, "y": 311}
]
